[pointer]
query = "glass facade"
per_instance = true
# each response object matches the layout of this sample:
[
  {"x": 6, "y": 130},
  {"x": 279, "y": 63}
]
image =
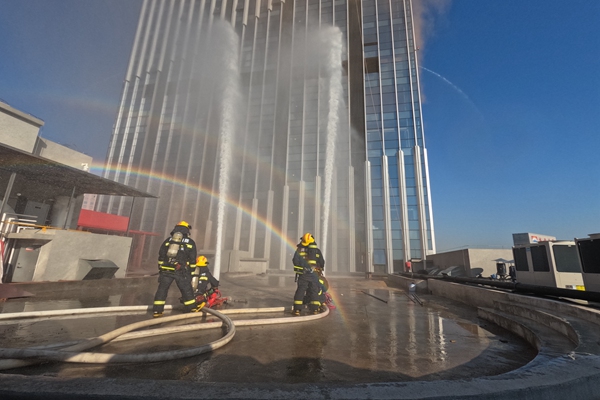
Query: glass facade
[
  {"x": 400, "y": 206},
  {"x": 328, "y": 132}
]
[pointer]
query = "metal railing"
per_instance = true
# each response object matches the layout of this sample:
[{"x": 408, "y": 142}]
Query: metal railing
[{"x": 12, "y": 223}]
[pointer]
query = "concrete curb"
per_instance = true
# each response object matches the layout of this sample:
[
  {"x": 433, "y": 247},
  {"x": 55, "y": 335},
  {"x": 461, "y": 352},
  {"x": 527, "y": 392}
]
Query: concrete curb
[{"x": 562, "y": 378}]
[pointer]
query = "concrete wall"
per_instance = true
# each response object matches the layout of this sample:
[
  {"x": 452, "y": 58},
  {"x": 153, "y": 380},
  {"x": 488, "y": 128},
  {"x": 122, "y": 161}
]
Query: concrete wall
[
  {"x": 471, "y": 259},
  {"x": 240, "y": 261},
  {"x": 449, "y": 259},
  {"x": 404, "y": 283},
  {"x": 64, "y": 155},
  {"x": 21, "y": 130},
  {"x": 471, "y": 295},
  {"x": 484, "y": 258},
  {"x": 17, "y": 129},
  {"x": 59, "y": 257}
]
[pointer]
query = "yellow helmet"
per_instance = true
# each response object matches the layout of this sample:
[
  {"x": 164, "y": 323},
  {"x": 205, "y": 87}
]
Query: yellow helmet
[
  {"x": 307, "y": 238},
  {"x": 183, "y": 223},
  {"x": 201, "y": 261}
]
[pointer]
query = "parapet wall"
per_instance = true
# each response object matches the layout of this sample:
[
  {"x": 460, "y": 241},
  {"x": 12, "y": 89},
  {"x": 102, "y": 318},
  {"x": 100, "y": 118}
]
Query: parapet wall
[
  {"x": 471, "y": 295},
  {"x": 564, "y": 334}
]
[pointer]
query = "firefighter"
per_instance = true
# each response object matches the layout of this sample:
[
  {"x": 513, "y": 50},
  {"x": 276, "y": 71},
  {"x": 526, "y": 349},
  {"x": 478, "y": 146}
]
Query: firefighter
[
  {"x": 176, "y": 262},
  {"x": 204, "y": 278},
  {"x": 306, "y": 259},
  {"x": 322, "y": 296},
  {"x": 323, "y": 287}
]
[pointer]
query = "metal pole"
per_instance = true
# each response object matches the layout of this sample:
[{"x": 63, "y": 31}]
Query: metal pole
[
  {"x": 69, "y": 208},
  {"x": 11, "y": 181},
  {"x": 517, "y": 287},
  {"x": 129, "y": 220}
]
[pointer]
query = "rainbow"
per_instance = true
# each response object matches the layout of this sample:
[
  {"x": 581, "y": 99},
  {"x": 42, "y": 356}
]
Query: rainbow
[{"x": 98, "y": 169}]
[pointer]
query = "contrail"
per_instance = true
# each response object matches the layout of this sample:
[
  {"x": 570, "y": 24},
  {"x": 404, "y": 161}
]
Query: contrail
[
  {"x": 463, "y": 94},
  {"x": 449, "y": 83}
]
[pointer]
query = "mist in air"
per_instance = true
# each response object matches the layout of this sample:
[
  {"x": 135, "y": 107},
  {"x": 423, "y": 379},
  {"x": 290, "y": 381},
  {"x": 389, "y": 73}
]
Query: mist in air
[{"x": 222, "y": 97}]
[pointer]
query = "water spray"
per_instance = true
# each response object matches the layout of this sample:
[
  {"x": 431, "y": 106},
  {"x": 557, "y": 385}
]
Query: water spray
[
  {"x": 229, "y": 100},
  {"x": 333, "y": 67}
]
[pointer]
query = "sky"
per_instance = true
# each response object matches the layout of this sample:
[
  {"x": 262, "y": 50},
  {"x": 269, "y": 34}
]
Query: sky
[{"x": 511, "y": 104}]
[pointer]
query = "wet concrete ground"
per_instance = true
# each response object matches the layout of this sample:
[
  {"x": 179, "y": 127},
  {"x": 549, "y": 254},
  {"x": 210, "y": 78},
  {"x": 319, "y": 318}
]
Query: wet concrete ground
[{"x": 376, "y": 334}]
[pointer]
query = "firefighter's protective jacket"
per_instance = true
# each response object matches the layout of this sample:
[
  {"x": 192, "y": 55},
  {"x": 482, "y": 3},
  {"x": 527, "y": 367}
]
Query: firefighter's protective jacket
[
  {"x": 307, "y": 257},
  {"x": 186, "y": 256},
  {"x": 204, "y": 278}
]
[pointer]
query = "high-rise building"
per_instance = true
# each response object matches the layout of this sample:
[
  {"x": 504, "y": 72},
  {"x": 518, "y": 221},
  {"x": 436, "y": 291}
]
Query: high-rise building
[{"x": 304, "y": 116}]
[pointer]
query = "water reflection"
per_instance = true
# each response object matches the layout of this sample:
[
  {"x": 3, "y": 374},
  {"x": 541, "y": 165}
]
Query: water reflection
[
  {"x": 363, "y": 340},
  {"x": 414, "y": 340},
  {"x": 307, "y": 364}
]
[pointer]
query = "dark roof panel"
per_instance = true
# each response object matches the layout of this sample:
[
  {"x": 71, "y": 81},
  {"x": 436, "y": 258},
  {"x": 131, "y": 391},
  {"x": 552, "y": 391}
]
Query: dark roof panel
[{"x": 39, "y": 169}]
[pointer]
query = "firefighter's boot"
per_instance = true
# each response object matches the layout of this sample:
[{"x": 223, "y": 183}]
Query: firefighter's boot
[{"x": 199, "y": 307}]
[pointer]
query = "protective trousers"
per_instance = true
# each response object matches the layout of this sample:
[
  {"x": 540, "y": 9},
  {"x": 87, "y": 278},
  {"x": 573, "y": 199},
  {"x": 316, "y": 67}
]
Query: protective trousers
[
  {"x": 184, "y": 283},
  {"x": 308, "y": 285}
]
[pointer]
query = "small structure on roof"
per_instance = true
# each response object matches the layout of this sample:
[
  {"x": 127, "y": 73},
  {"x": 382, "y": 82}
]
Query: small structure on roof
[{"x": 40, "y": 205}]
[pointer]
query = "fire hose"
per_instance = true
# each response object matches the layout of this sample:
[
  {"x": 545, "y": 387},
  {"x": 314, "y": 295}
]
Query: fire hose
[{"x": 74, "y": 351}]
